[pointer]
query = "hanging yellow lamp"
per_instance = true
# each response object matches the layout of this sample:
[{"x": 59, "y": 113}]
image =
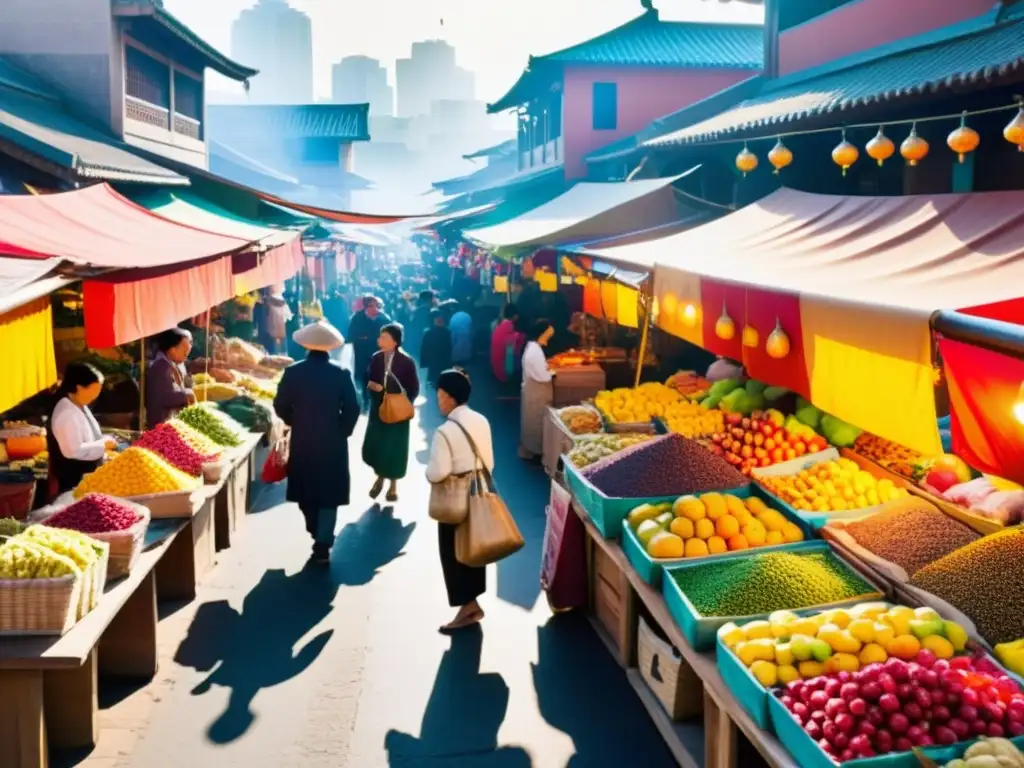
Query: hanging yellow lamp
[
  {"x": 689, "y": 316},
  {"x": 746, "y": 161},
  {"x": 777, "y": 345},
  {"x": 725, "y": 328},
  {"x": 780, "y": 156},
  {"x": 1014, "y": 130},
  {"x": 750, "y": 337},
  {"x": 845, "y": 154},
  {"x": 963, "y": 139},
  {"x": 880, "y": 148},
  {"x": 914, "y": 148}
]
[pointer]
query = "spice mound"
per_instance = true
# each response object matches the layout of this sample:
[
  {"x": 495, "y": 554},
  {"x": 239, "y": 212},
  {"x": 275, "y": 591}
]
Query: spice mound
[
  {"x": 979, "y": 580},
  {"x": 911, "y": 533},
  {"x": 136, "y": 472},
  {"x": 671, "y": 465},
  {"x": 95, "y": 513},
  {"x": 768, "y": 582},
  {"x": 216, "y": 425},
  {"x": 167, "y": 442}
]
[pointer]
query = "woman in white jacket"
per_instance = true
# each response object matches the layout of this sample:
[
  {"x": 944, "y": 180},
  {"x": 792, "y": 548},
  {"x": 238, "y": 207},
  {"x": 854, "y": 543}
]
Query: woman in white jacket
[{"x": 452, "y": 453}]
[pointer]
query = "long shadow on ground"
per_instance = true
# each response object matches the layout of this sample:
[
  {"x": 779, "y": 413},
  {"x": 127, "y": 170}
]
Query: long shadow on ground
[{"x": 365, "y": 546}]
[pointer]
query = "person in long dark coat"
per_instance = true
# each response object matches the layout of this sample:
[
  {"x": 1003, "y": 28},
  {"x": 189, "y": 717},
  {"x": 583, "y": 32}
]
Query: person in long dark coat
[
  {"x": 386, "y": 446},
  {"x": 363, "y": 330},
  {"x": 317, "y": 399}
]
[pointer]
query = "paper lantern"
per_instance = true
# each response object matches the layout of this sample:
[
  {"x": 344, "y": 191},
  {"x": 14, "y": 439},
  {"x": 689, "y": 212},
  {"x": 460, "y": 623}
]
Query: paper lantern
[
  {"x": 914, "y": 148},
  {"x": 746, "y": 160},
  {"x": 1014, "y": 130},
  {"x": 689, "y": 315},
  {"x": 963, "y": 139},
  {"x": 750, "y": 337},
  {"x": 780, "y": 156},
  {"x": 845, "y": 154},
  {"x": 670, "y": 304},
  {"x": 880, "y": 148},
  {"x": 777, "y": 345},
  {"x": 725, "y": 328}
]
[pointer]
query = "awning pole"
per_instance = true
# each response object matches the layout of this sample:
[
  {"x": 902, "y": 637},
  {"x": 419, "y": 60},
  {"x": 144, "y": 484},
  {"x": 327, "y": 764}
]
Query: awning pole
[
  {"x": 645, "y": 304},
  {"x": 209, "y": 351},
  {"x": 142, "y": 384}
]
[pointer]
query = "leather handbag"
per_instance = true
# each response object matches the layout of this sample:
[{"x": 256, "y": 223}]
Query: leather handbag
[
  {"x": 489, "y": 533},
  {"x": 449, "y": 499},
  {"x": 395, "y": 407}
]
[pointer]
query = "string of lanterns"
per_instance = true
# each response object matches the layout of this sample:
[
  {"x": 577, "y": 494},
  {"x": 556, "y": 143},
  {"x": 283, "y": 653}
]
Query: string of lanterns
[
  {"x": 777, "y": 345},
  {"x": 913, "y": 149}
]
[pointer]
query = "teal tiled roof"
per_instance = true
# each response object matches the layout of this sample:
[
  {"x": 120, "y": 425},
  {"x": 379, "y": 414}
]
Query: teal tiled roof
[
  {"x": 976, "y": 50},
  {"x": 646, "y": 41},
  {"x": 348, "y": 122}
]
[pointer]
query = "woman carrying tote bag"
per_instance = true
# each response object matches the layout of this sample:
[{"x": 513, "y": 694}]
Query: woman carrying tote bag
[{"x": 452, "y": 461}]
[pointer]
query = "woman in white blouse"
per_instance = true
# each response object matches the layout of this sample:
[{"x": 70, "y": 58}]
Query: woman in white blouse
[
  {"x": 452, "y": 453},
  {"x": 74, "y": 441},
  {"x": 538, "y": 391}
]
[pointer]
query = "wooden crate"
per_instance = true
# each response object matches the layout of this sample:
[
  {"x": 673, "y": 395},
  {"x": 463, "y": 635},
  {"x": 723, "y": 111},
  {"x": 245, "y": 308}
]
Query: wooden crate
[
  {"x": 611, "y": 600},
  {"x": 668, "y": 676}
]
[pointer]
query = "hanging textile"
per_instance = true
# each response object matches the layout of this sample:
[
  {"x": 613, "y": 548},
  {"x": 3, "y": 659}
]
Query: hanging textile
[
  {"x": 762, "y": 310},
  {"x": 626, "y": 300},
  {"x": 609, "y": 301},
  {"x": 682, "y": 291},
  {"x": 26, "y": 336}
]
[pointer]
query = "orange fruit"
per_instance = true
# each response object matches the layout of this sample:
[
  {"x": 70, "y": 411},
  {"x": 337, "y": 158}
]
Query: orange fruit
[
  {"x": 682, "y": 527},
  {"x": 704, "y": 529},
  {"x": 904, "y": 647},
  {"x": 755, "y": 533},
  {"x": 717, "y": 545},
  {"x": 696, "y": 548},
  {"x": 739, "y": 541},
  {"x": 727, "y": 526},
  {"x": 773, "y": 538}
]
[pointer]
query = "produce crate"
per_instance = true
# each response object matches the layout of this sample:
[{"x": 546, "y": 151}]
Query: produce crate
[
  {"x": 670, "y": 678},
  {"x": 172, "y": 504},
  {"x": 608, "y": 512},
  {"x": 557, "y": 441},
  {"x": 40, "y": 606},
  {"x": 649, "y": 568},
  {"x": 612, "y": 602},
  {"x": 214, "y": 471},
  {"x": 979, "y": 523},
  {"x": 702, "y": 631}
]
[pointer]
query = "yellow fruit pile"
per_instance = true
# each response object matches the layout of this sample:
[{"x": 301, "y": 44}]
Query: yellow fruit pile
[
  {"x": 627, "y": 406},
  {"x": 833, "y": 486},
  {"x": 693, "y": 420},
  {"x": 787, "y": 647},
  {"x": 260, "y": 388},
  {"x": 136, "y": 472},
  {"x": 710, "y": 525}
]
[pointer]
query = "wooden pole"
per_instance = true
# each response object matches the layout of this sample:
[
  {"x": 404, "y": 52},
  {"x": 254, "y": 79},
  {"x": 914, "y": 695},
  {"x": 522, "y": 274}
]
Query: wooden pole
[
  {"x": 645, "y": 306},
  {"x": 142, "y": 384}
]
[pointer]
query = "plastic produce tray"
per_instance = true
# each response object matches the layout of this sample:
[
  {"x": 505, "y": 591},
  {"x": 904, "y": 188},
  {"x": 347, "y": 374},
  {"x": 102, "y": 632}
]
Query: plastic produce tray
[
  {"x": 702, "y": 631},
  {"x": 649, "y": 568},
  {"x": 608, "y": 512}
]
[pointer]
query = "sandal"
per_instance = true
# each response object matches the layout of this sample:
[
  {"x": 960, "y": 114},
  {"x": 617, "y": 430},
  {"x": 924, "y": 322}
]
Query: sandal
[
  {"x": 377, "y": 487},
  {"x": 392, "y": 496},
  {"x": 467, "y": 621}
]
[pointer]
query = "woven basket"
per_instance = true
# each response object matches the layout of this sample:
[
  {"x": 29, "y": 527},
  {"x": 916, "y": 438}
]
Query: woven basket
[
  {"x": 17, "y": 499},
  {"x": 125, "y": 546},
  {"x": 39, "y": 606}
]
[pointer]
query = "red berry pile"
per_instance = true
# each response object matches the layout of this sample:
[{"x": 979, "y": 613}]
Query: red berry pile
[
  {"x": 95, "y": 513},
  {"x": 164, "y": 440},
  {"x": 898, "y": 705}
]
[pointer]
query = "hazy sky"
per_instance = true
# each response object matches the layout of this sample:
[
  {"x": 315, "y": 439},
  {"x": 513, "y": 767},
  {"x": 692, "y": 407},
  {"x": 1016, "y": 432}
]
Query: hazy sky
[{"x": 493, "y": 38}]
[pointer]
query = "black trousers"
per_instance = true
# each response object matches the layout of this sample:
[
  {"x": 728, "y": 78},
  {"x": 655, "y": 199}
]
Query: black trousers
[{"x": 464, "y": 583}]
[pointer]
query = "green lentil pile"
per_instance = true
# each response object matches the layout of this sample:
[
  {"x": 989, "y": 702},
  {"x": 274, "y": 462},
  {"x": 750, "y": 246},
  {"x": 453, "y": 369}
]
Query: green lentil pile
[
  {"x": 981, "y": 581},
  {"x": 216, "y": 425},
  {"x": 911, "y": 532},
  {"x": 769, "y": 582}
]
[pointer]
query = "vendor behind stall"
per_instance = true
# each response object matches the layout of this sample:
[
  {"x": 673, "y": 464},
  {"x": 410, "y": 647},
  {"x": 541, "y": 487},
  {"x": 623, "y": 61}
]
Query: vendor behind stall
[
  {"x": 538, "y": 392},
  {"x": 168, "y": 385},
  {"x": 73, "y": 440}
]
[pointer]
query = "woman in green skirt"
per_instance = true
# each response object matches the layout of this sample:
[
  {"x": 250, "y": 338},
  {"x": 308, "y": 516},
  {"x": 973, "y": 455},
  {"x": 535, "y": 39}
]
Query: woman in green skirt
[{"x": 386, "y": 446}]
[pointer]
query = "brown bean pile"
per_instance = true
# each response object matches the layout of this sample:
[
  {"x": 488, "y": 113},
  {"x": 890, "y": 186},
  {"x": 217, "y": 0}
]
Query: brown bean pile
[
  {"x": 983, "y": 581},
  {"x": 670, "y": 465},
  {"x": 911, "y": 533}
]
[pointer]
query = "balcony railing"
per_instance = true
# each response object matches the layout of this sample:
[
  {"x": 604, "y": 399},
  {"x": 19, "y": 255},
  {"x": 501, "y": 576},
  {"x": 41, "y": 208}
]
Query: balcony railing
[
  {"x": 188, "y": 126},
  {"x": 550, "y": 153},
  {"x": 144, "y": 112}
]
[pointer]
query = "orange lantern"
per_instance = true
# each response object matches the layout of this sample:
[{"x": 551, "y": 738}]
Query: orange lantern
[
  {"x": 725, "y": 328},
  {"x": 880, "y": 148},
  {"x": 780, "y": 156},
  {"x": 778, "y": 344},
  {"x": 746, "y": 160},
  {"x": 749, "y": 336},
  {"x": 845, "y": 154},
  {"x": 963, "y": 139},
  {"x": 1014, "y": 130},
  {"x": 914, "y": 148}
]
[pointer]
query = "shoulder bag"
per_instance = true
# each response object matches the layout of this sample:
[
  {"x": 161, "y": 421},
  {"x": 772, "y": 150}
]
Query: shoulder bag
[
  {"x": 449, "y": 498},
  {"x": 489, "y": 533},
  {"x": 395, "y": 406}
]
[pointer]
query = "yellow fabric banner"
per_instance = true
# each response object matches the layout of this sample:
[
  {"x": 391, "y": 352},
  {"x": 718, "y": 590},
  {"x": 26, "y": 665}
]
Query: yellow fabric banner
[
  {"x": 626, "y": 300},
  {"x": 872, "y": 370},
  {"x": 26, "y": 337},
  {"x": 609, "y": 300},
  {"x": 501, "y": 283},
  {"x": 548, "y": 281},
  {"x": 679, "y": 307}
]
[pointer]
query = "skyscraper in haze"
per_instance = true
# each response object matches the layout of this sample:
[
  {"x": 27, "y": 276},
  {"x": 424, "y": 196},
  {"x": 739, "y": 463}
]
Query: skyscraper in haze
[
  {"x": 430, "y": 74},
  {"x": 359, "y": 79},
  {"x": 278, "y": 40}
]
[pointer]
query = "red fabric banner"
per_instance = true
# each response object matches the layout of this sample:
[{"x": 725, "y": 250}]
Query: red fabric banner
[
  {"x": 713, "y": 295},
  {"x": 252, "y": 271},
  {"x": 983, "y": 389},
  {"x": 763, "y": 309}
]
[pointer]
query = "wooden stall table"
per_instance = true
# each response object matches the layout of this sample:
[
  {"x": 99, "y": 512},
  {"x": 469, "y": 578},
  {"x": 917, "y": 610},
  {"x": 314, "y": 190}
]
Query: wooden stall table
[
  {"x": 617, "y": 593},
  {"x": 48, "y": 685},
  {"x": 575, "y": 383},
  {"x": 193, "y": 551},
  {"x": 231, "y": 502}
]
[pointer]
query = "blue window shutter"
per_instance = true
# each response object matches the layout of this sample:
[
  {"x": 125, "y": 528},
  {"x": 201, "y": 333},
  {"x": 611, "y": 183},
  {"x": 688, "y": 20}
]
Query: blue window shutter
[{"x": 606, "y": 106}]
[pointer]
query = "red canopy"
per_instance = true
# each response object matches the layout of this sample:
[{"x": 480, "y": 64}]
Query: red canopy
[{"x": 98, "y": 227}]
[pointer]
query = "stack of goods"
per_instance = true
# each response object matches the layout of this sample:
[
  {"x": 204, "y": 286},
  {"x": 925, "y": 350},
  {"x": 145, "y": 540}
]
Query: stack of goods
[
  {"x": 832, "y": 486},
  {"x": 235, "y": 352},
  {"x": 786, "y": 647},
  {"x": 215, "y": 392},
  {"x": 1011, "y": 655},
  {"x": 911, "y": 533},
  {"x": 979, "y": 581},
  {"x": 569, "y": 359},
  {"x": 216, "y": 425},
  {"x": 762, "y": 439},
  {"x": 107, "y": 519},
  {"x": 199, "y": 442},
  {"x": 590, "y": 449},
  {"x": 898, "y": 459},
  {"x": 768, "y": 581},
  {"x": 203, "y": 373},
  {"x": 939, "y": 474},
  {"x": 254, "y": 415},
  {"x": 23, "y": 446},
  {"x": 710, "y": 525},
  {"x": 580, "y": 420},
  {"x": 948, "y": 478},
  {"x": 41, "y": 552},
  {"x": 692, "y": 420},
  {"x": 279, "y": 362},
  {"x": 989, "y": 753},
  {"x": 261, "y": 388},
  {"x": 689, "y": 385},
  {"x": 164, "y": 440},
  {"x": 836, "y": 431},
  {"x": 631, "y": 406},
  {"x": 136, "y": 472},
  {"x": 669, "y": 465}
]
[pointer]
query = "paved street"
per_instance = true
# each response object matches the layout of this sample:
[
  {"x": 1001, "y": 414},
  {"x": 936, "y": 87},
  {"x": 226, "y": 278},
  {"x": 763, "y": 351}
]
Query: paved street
[{"x": 278, "y": 665}]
